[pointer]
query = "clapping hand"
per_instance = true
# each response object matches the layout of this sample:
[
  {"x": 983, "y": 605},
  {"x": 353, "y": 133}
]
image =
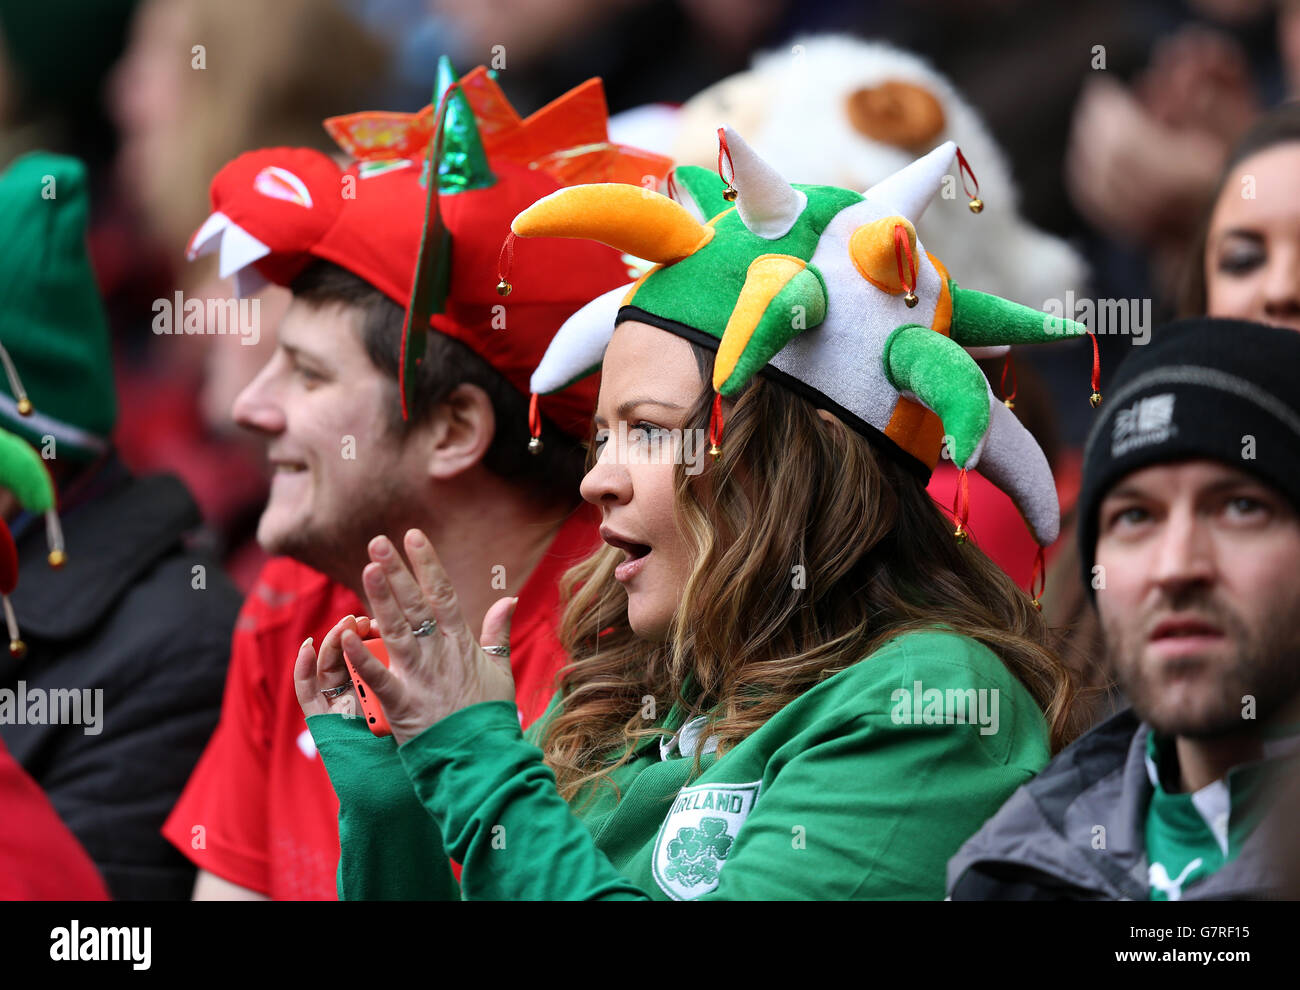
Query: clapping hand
[{"x": 436, "y": 668}]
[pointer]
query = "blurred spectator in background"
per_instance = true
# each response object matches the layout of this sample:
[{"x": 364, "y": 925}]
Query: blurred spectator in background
[
  {"x": 646, "y": 51},
  {"x": 1246, "y": 260},
  {"x": 199, "y": 83},
  {"x": 134, "y": 620},
  {"x": 54, "y": 55},
  {"x": 1143, "y": 159}
]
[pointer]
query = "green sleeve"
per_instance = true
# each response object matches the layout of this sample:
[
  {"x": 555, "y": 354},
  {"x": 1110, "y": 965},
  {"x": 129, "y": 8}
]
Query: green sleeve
[
  {"x": 500, "y": 813},
  {"x": 389, "y": 847}
]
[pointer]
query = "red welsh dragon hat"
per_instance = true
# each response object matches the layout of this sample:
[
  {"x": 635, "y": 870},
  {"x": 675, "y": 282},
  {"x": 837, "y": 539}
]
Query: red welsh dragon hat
[{"x": 434, "y": 247}]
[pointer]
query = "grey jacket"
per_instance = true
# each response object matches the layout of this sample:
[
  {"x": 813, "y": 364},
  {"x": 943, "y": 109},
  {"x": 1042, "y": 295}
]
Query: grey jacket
[{"x": 1047, "y": 842}]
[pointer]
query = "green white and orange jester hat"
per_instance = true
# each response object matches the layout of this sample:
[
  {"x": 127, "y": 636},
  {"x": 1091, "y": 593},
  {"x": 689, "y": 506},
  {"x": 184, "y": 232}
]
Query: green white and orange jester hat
[{"x": 826, "y": 290}]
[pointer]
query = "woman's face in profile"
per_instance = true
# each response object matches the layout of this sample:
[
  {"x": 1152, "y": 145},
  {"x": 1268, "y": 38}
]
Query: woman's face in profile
[
  {"x": 649, "y": 382},
  {"x": 1252, "y": 253}
]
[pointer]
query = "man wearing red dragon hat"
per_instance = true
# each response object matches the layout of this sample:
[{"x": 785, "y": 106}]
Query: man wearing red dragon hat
[{"x": 372, "y": 429}]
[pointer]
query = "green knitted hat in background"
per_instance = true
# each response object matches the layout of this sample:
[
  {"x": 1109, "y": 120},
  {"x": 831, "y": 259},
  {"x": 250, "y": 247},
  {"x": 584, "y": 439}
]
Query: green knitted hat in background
[{"x": 53, "y": 326}]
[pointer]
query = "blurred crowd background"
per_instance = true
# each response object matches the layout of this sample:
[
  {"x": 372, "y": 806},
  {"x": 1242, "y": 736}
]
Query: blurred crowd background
[{"x": 1120, "y": 159}]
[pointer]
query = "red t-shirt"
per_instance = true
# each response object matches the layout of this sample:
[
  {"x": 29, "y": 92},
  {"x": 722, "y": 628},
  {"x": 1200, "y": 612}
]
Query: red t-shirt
[
  {"x": 259, "y": 809},
  {"x": 40, "y": 859}
]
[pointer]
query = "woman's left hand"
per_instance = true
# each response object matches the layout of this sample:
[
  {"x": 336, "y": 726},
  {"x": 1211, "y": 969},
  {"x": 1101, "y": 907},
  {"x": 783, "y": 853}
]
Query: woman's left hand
[{"x": 442, "y": 671}]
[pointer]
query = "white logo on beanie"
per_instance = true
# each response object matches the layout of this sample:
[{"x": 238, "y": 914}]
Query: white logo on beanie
[{"x": 1147, "y": 421}]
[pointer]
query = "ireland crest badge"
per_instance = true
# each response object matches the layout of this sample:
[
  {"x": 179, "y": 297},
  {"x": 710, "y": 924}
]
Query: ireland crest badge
[{"x": 698, "y": 835}]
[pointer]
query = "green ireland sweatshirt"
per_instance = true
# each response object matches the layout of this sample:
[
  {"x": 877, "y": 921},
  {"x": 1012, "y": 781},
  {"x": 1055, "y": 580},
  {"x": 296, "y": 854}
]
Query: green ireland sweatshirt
[{"x": 863, "y": 787}]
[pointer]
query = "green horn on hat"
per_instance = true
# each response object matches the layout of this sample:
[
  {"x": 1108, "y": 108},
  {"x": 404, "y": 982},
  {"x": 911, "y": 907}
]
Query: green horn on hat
[
  {"x": 983, "y": 320},
  {"x": 24, "y": 474},
  {"x": 947, "y": 379},
  {"x": 457, "y": 158},
  {"x": 463, "y": 163}
]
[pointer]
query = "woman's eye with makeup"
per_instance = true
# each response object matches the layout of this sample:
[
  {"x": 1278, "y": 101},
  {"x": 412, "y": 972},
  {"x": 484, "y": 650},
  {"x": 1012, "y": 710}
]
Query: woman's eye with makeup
[
  {"x": 646, "y": 431},
  {"x": 309, "y": 377},
  {"x": 1241, "y": 257}
]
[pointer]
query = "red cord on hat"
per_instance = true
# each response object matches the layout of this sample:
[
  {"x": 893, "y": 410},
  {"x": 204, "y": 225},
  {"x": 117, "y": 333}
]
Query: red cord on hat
[
  {"x": 715, "y": 426},
  {"x": 729, "y": 194},
  {"x": 961, "y": 505},
  {"x": 903, "y": 246},
  {"x": 506, "y": 261},
  {"x": 1038, "y": 579},
  {"x": 534, "y": 425},
  {"x": 672, "y": 187},
  {"x": 964, "y": 169},
  {"x": 1009, "y": 398},
  {"x": 1095, "y": 398}
]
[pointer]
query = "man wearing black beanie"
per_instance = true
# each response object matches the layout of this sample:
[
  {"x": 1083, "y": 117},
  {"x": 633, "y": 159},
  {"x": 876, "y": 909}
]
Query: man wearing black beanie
[{"x": 1189, "y": 529}]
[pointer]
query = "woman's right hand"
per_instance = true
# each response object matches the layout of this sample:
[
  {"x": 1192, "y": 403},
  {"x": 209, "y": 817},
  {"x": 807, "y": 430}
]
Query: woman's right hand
[{"x": 314, "y": 673}]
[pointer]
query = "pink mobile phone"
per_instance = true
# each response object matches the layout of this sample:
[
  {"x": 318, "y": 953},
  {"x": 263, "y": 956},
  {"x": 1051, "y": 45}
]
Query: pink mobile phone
[{"x": 372, "y": 711}]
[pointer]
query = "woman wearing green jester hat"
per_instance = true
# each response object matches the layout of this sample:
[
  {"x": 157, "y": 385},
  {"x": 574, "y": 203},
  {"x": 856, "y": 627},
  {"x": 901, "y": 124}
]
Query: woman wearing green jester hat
[{"x": 789, "y": 678}]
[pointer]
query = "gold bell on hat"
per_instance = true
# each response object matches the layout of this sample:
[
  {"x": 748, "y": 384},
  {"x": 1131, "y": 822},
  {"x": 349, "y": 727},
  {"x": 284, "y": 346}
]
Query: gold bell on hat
[
  {"x": 56, "y": 557},
  {"x": 20, "y": 394},
  {"x": 730, "y": 193},
  {"x": 534, "y": 445},
  {"x": 911, "y": 299},
  {"x": 17, "y": 647},
  {"x": 1095, "y": 399},
  {"x": 963, "y": 169},
  {"x": 23, "y": 403},
  {"x": 503, "y": 288}
]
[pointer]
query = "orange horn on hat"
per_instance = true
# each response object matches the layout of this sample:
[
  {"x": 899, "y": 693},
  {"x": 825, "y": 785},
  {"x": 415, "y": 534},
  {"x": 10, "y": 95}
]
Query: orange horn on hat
[{"x": 625, "y": 217}]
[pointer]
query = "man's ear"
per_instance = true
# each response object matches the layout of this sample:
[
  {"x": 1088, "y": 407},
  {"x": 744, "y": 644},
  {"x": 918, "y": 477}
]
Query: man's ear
[{"x": 462, "y": 427}]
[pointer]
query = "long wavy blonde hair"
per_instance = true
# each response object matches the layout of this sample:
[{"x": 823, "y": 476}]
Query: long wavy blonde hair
[{"x": 792, "y": 494}]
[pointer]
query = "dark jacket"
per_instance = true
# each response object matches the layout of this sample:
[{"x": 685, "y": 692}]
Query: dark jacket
[
  {"x": 123, "y": 615},
  {"x": 1045, "y": 843}
]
